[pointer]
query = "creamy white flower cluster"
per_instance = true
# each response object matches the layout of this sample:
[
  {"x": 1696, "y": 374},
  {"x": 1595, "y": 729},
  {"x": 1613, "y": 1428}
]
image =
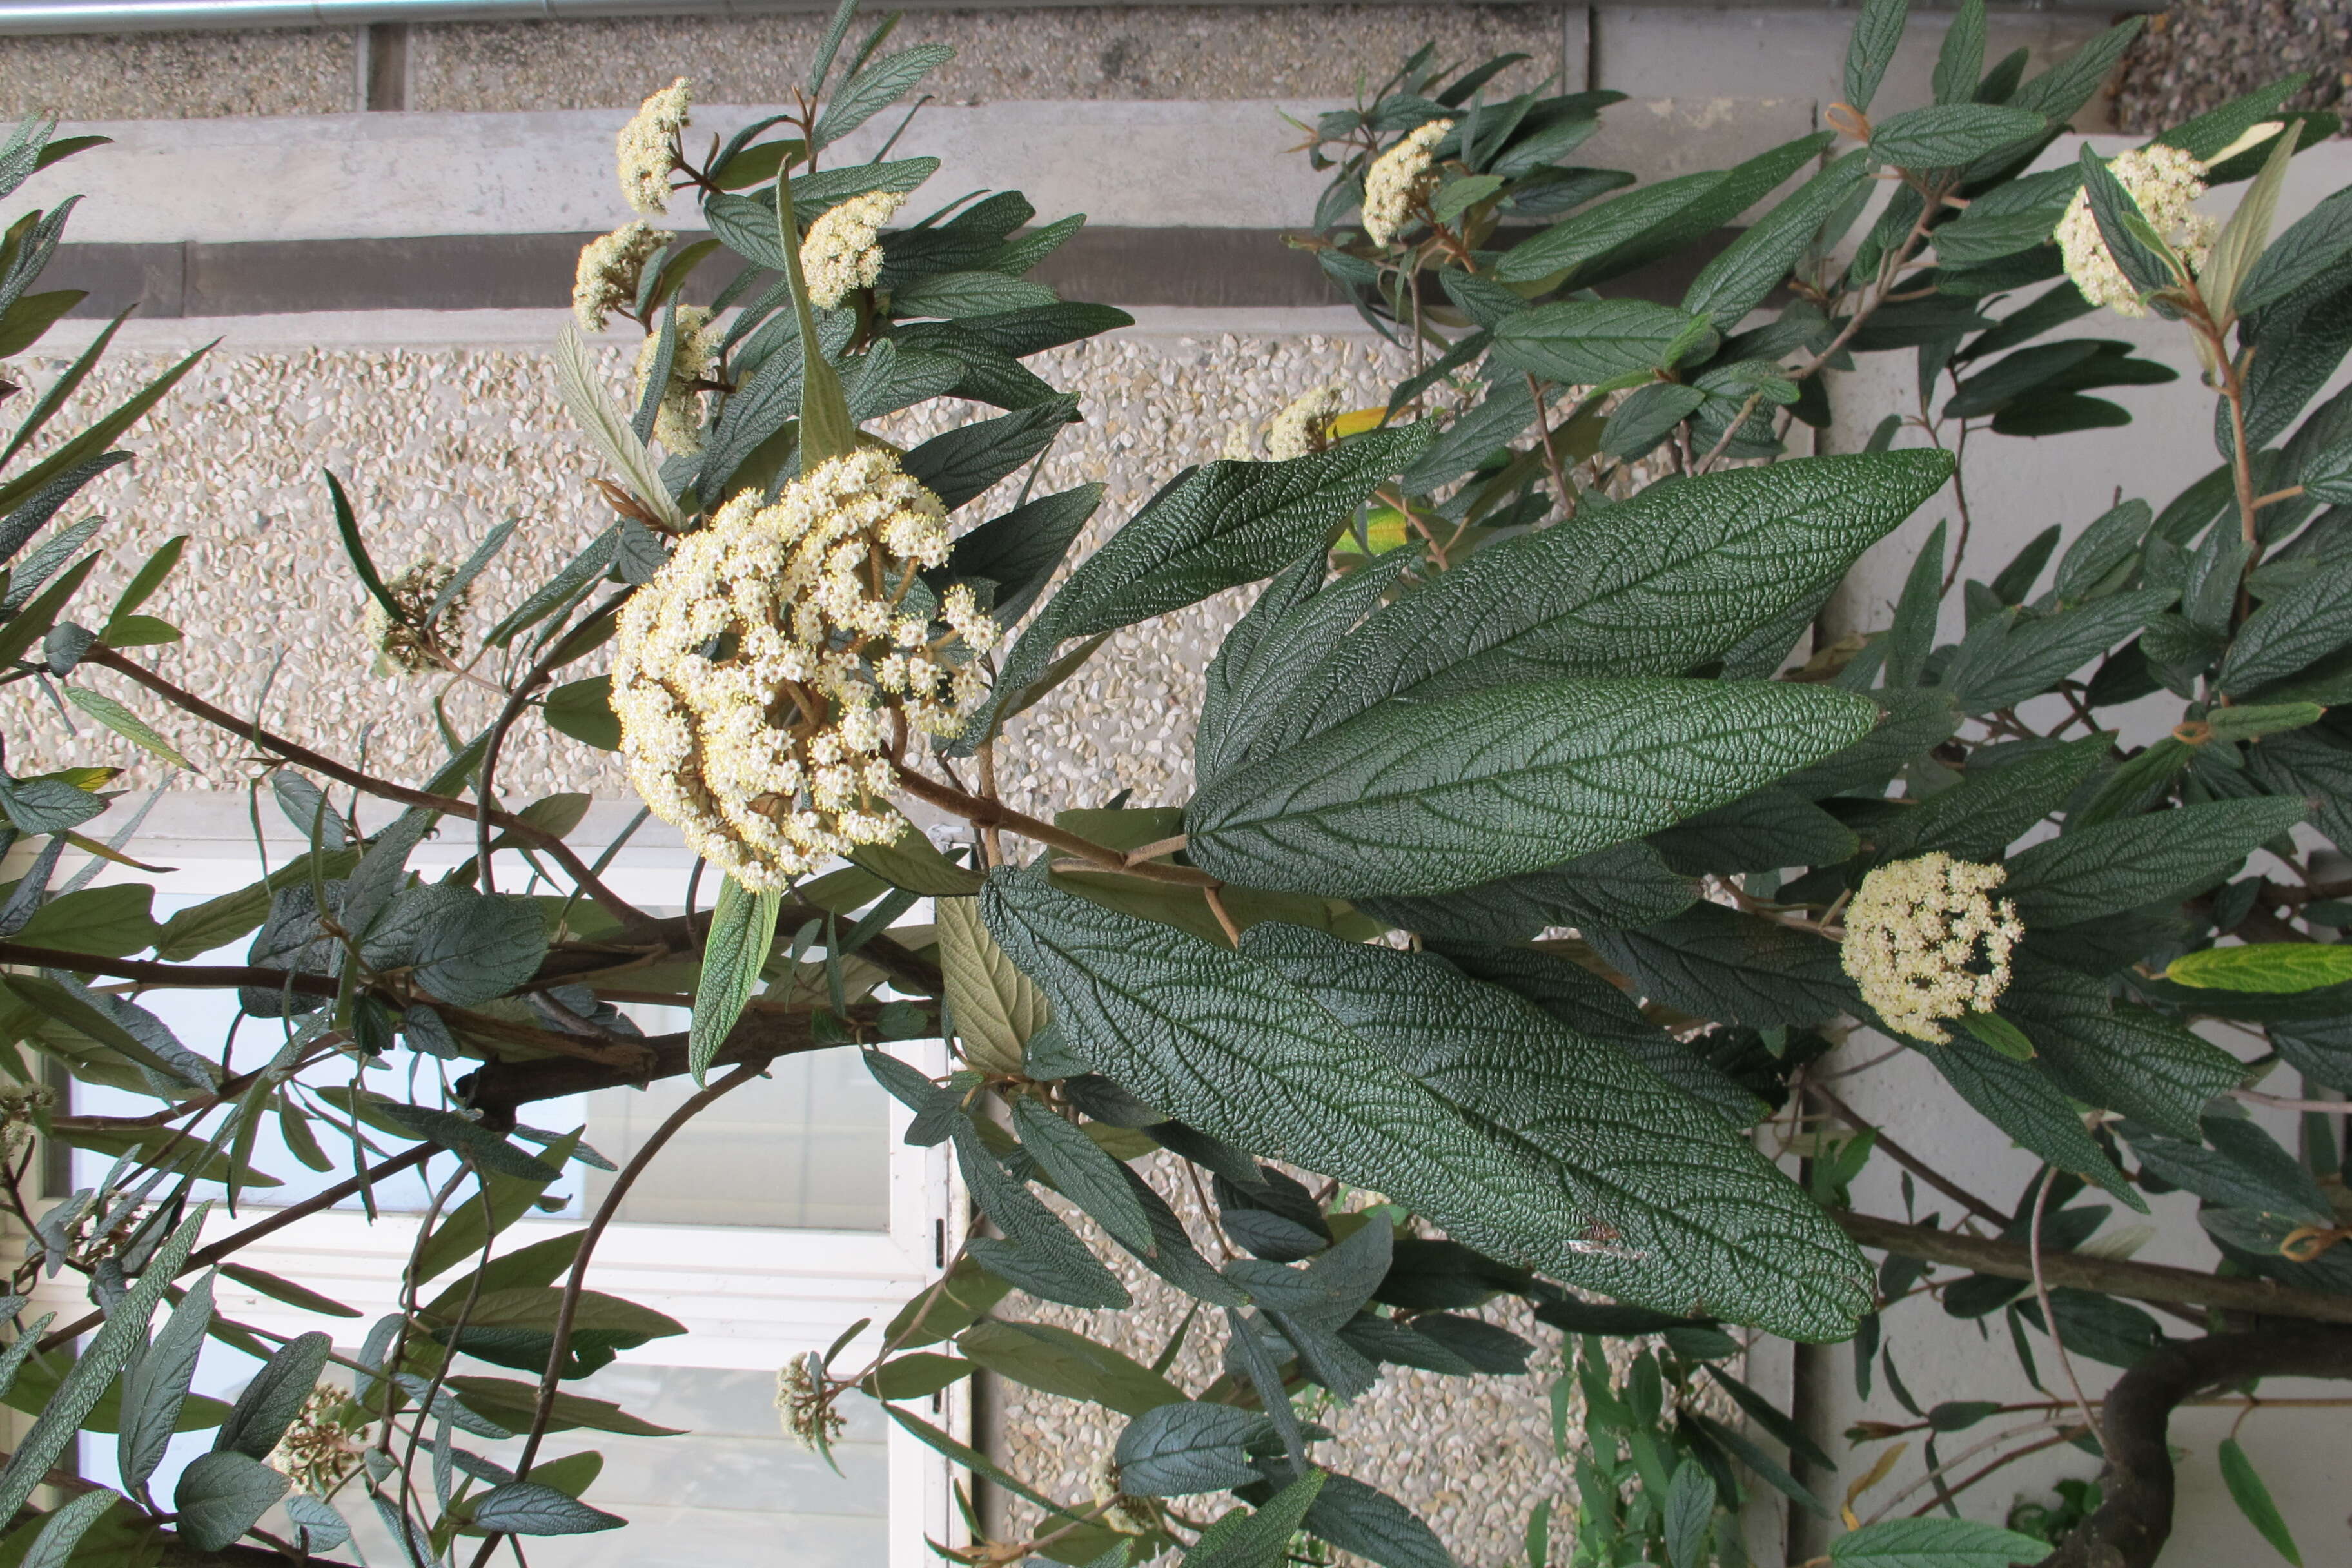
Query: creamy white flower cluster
[
  {"x": 764, "y": 672},
  {"x": 413, "y": 645},
  {"x": 2165, "y": 182},
  {"x": 1121, "y": 1512},
  {"x": 841, "y": 254},
  {"x": 1304, "y": 425},
  {"x": 611, "y": 268},
  {"x": 1925, "y": 941},
  {"x": 1397, "y": 179},
  {"x": 647, "y": 146},
  {"x": 677, "y": 423},
  {"x": 806, "y": 1415},
  {"x": 322, "y": 1445}
]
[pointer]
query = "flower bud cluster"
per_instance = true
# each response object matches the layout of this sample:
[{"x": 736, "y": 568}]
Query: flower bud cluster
[
  {"x": 842, "y": 253},
  {"x": 647, "y": 146},
  {"x": 802, "y": 1409},
  {"x": 611, "y": 268},
  {"x": 771, "y": 671},
  {"x": 1304, "y": 425},
  {"x": 1925, "y": 943},
  {"x": 324, "y": 1442},
  {"x": 1398, "y": 179},
  {"x": 2165, "y": 182},
  {"x": 415, "y": 644}
]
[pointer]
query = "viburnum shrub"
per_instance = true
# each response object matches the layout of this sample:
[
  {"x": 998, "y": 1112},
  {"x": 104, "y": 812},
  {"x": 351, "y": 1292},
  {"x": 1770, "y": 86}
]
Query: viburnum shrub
[{"x": 1534, "y": 864}]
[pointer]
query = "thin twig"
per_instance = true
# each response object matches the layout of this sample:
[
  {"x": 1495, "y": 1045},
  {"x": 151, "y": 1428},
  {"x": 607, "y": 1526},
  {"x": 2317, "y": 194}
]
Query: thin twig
[
  {"x": 569, "y": 1310},
  {"x": 2049, "y": 1314}
]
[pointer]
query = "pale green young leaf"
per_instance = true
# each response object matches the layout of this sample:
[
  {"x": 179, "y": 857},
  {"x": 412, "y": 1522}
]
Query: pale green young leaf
[
  {"x": 2248, "y": 232},
  {"x": 607, "y": 428},
  {"x": 2270, "y": 966}
]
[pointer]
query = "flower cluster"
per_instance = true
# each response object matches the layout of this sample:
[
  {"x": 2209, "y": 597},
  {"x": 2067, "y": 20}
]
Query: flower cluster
[
  {"x": 611, "y": 268},
  {"x": 677, "y": 423},
  {"x": 419, "y": 640},
  {"x": 323, "y": 1443},
  {"x": 1925, "y": 941},
  {"x": 2165, "y": 182},
  {"x": 803, "y": 1409},
  {"x": 1304, "y": 425},
  {"x": 842, "y": 253},
  {"x": 648, "y": 147},
  {"x": 1398, "y": 179},
  {"x": 767, "y": 677}
]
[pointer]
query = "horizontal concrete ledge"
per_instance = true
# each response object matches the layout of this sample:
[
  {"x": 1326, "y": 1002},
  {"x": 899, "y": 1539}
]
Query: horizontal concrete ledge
[
  {"x": 1199, "y": 268},
  {"x": 37, "y": 17}
]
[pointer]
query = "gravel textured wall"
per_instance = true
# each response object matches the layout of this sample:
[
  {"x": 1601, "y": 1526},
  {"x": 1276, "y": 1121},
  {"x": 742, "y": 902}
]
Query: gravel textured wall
[
  {"x": 177, "y": 76},
  {"x": 437, "y": 447},
  {"x": 1195, "y": 52},
  {"x": 2198, "y": 56}
]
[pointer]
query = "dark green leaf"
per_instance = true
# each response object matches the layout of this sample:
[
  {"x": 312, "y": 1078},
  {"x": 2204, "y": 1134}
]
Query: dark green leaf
[
  {"x": 532, "y": 1508},
  {"x": 1599, "y": 342},
  {"x": 2253, "y": 1500},
  {"x": 222, "y": 1495},
  {"x": 1934, "y": 1543},
  {"x": 1056, "y": 1361},
  {"x": 1180, "y": 1448},
  {"x": 1417, "y": 797},
  {"x": 1719, "y": 963},
  {"x": 1435, "y": 1121},
  {"x": 1952, "y": 135},
  {"x": 2118, "y": 866},
  {"x": 1877, "y": 33},
  {"x": 2016, "y": 1097}
]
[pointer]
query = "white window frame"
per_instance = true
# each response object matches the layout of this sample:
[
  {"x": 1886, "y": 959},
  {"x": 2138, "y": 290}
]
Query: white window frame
[{"x": 750, "y": 1297}]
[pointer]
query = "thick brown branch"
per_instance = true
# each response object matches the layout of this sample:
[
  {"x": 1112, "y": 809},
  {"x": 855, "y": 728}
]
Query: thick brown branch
[
  {"x": 583, "y": 961},
  {"x": 499, "y": 1089},
  {"x": 448, "y": 805},
  {"x": 2134, "y": 1519},
  {"x": 2116, "y": 1276}
]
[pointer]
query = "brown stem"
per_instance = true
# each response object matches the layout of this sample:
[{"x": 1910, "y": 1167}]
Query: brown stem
[
  {"x": 2134, "y": 1517},
  {"x": 557, "y": 656},
  {"x": 1723, "y": 442},
  {"x": 206, "y": 1256},
  {"x": 499, "y": 1089},
  {"x": 996, "y": 814},
  {"x": 628, "y": 914},
  {"x": 570, "y": 1309},
  {"x": 2151, "y": 1282},
  {"x": 1551, "y": 453},
  {"x": 2049, "y": 1313}
]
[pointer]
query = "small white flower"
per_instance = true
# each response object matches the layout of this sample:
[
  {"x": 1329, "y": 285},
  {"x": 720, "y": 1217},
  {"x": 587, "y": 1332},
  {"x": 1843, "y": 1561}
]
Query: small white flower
[
  {"x": 1304, "y": 424},
  {"x": 1399, "y": 178},
  {"x": 841, "y": 254},
  {"x": 2166, "y": 181},
  {"x": 1925, "y": 943},
  {"x": 807, "y": 1417},
  {"x": 646, "y": 148}
]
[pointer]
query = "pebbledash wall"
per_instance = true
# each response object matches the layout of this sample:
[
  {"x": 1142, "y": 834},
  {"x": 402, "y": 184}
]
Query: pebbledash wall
[{"x": 443, "y": 424}]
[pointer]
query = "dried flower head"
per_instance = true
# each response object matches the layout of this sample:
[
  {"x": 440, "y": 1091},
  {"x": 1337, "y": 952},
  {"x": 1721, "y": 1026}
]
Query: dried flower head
[
  {"x": 1398, "y": 179},
  {"x": 2165, "y": 182},
  {"x": 415, "y": 644},
  {"x": 1925, "y": 941},
  {"x": 1121, "y": 1513},
  {"x": 841, "y": 254},
  {"x": 611, "y": 268},
  {"x": 1304, "y": 425},
  {"x": 677, "y": 423},
  {"x": 777, "y": 656},
  {"x": 324, "y": 1442},
  {"x": 802, "y": 1407},
  {"x": 647, "y": 146}
]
